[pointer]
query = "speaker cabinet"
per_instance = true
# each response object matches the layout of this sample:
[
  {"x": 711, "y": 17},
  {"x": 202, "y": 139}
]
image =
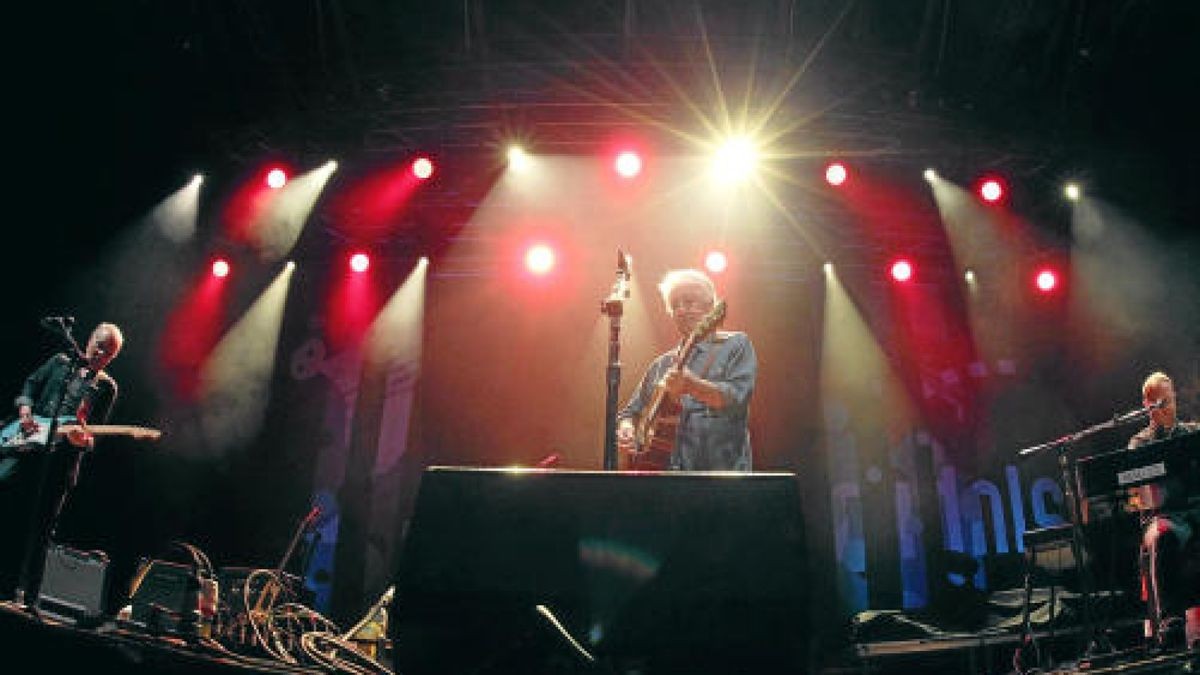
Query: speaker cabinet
[
  {"x": 74, "y": 585},
  {"x": 529, "y": 570}
]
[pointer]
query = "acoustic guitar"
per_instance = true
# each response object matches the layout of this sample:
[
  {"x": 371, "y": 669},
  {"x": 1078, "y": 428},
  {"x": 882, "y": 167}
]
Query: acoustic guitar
[{"x": 654, "y": 435}]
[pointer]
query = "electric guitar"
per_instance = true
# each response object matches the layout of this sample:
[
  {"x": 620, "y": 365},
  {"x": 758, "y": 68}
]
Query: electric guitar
[
  {"x": 14, "y": 440},
  {"x": 654, "y": 435}
]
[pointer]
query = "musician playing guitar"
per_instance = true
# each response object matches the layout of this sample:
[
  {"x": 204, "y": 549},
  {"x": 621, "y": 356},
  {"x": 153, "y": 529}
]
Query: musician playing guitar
[
  {"x": 1170, "y": 557},
  {"x": 35, "y": 485},
  {"x": 692, "y": 415}
]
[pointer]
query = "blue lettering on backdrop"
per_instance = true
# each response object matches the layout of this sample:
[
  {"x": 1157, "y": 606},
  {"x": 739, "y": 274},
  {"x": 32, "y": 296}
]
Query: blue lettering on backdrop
[{"x": 977, "y": 518}]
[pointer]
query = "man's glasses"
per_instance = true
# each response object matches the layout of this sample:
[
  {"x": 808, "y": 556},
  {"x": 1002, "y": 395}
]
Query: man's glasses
[{"x": 682, "y": 305}]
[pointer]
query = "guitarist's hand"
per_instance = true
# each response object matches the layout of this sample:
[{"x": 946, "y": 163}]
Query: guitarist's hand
[
  {"x": 80, "y": 438},
  {"x": 676, "y": 383},
  {"x": 687, "y": 382},
  {"x": 625, "y": 437},
  {"x": 28, "y": 424}
]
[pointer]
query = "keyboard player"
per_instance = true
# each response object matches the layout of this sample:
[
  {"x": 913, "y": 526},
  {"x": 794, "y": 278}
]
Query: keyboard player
[{"x": 1170, "y": 546}]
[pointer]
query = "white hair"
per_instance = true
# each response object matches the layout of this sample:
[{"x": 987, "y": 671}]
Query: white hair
[{"x": 676, "y": 278}]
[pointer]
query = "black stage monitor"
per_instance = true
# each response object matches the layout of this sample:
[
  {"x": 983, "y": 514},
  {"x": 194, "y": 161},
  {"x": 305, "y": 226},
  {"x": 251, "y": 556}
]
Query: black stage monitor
[{"x": 564, "y": 571}]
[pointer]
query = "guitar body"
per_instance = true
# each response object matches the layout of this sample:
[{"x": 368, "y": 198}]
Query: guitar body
[
  {"x": 656, "y": 435},
  {"x": 14, "y": 441},
  {"x": 13, "y": 437}
]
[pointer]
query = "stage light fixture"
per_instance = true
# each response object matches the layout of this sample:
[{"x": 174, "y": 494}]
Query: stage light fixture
[
  {"x": 992, "y": 190},
  {"x": 828, "y": 268},
  {"x": 628, "y": 164},
  {"x": 539, "y": 259},
  {"x": 360, "y": 262},
  {"x": 735, "y": 160},
  {"x": 276, "y": 178},
  {"x": 422, "y": 167},
  {"x": 518, "y": 159},
  {"x": 930, "y": 175},
  {"x": 716, "y": 262},
  {"x": 969, "y": 276},
  {"x": 902, "y": 270},
  {"x": 220, "y": 268},
  {"x": 835, "y": 174},
  {"x": 1072, "y": 191},
  {"x": 1046, "y": 280}
]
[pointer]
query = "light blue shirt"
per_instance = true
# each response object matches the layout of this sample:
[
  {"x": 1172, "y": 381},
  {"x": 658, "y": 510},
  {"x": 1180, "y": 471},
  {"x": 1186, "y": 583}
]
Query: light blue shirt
[{"x": 709, "y": 439}]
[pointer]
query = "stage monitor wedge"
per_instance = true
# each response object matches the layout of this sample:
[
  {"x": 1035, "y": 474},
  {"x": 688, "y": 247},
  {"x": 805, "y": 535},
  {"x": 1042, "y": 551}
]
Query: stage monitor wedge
[{"x": 642, "y": 572}]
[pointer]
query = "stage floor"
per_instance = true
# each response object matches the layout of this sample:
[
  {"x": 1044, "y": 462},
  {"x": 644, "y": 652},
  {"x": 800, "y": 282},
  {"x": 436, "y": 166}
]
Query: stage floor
[{"x": 53, "y": 647}]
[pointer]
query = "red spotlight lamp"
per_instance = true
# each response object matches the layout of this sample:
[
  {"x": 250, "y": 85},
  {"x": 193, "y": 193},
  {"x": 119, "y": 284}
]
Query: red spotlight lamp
[
  {"x": 276, "y": 178},
  {"x": 991, "y": 190},
  {"x": 902, "y": 270},
  {"x": 716, "y": 262},
  {"x": 1046, "y": 280},
  {"x": 360, "y": 262},
  {"x": 539, "y": 259},
  {"x": 836, "y": 174},
  {"x": 422, "y": 168},
  {"x": 628, "y": 164},
  {"x": 220, "y": 268}
]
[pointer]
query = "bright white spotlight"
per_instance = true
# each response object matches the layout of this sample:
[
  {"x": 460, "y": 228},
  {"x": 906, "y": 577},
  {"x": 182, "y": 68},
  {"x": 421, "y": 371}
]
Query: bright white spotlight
[
  {"x": 628, "y": 164},
  {"x": 331, "y": 165},
  {"x": 197, "y": 179},
  {"x": 1072, "y": 191},
  {"x": 835, "y": 174},
  {"x": 969, "y": 276},
  {"x": 539, "y": 259},
  {"x": 276, "y": 178},
  {"x": 422, "y": 167},
  {"x": 930, "y": 175},
  {"x": 828, "y": 267},
  {"x": 716, "y": 262},
  {"x": 518, "y": 159},
  {"x": 735, "y": 160},
  {"x": 291, "y": 265}
]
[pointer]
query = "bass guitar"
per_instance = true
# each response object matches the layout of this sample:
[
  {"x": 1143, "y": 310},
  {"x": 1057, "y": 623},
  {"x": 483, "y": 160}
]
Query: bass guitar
[{"x": 654, "y": 434}]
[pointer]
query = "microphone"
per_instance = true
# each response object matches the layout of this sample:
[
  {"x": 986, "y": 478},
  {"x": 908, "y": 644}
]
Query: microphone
[{"x": 57, "y": 321}]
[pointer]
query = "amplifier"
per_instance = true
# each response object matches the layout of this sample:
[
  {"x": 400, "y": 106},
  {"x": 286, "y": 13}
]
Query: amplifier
[
  {"x": 74, "y": 585},
  {"x": 164, "y": 596}
]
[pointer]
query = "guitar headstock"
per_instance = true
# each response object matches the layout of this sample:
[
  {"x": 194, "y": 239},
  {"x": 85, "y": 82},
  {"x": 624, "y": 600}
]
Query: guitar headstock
[{"x": 709, "y": 322}]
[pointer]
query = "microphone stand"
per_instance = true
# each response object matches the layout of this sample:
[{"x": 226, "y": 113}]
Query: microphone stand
[
  {"x": 46, "y": 515},
  {"x": 614, "y": 307},
  {"x": 1072, "y": 488}
]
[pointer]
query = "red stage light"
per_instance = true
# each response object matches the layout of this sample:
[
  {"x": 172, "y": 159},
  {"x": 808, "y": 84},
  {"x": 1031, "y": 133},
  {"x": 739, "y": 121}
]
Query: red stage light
[
  {"x": 539, "y": 259},
  {"x": 628, "y": 164},
  {"x": 276, "y": 178},
  {"x": 422, "y": 168},
  {"x": 992, "y": 190},
  {"x": 359, "y": 262},
  {"x": 716, "y": 262},
  {"x": 835, "y": 174},
  {"x": 902, "y": 270},
  {"x": 1046, "y": 280},
  {"x": 220, "y": 268}
]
